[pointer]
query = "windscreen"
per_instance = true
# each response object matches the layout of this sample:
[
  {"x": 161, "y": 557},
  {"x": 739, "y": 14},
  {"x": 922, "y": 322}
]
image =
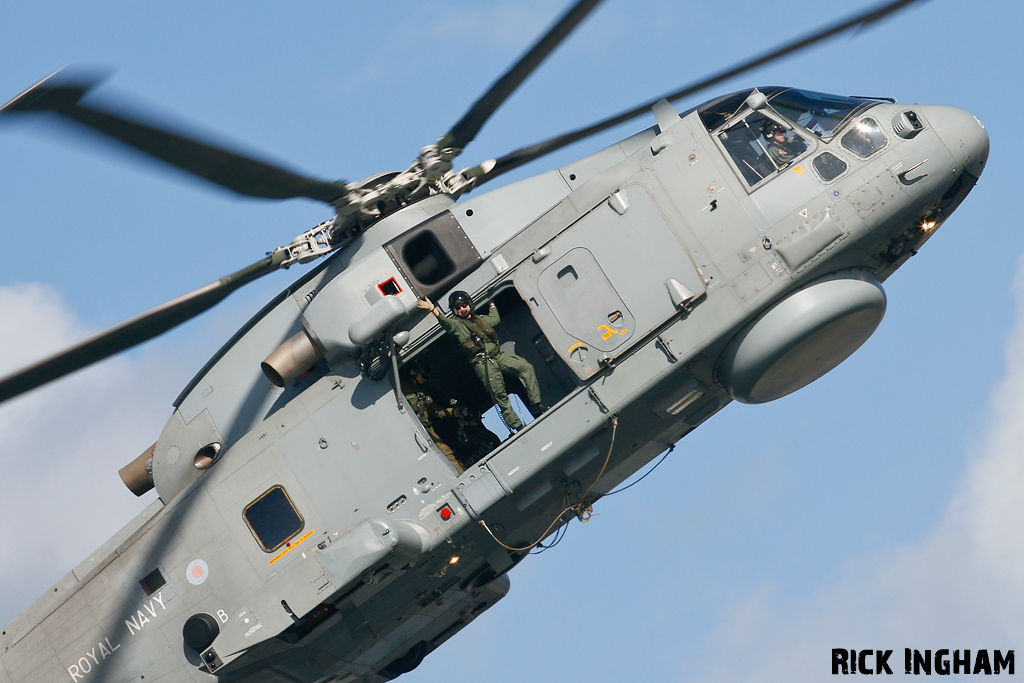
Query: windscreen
[{"x": 819, "y": 113}]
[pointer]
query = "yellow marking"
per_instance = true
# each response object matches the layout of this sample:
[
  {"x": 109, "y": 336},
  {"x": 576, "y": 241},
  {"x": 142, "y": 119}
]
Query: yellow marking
[
  {"x": 290, "y": 547},
  {"x": 798, "y": 169},
  {"x": 573, "y": 348},
  {"x": 609, "y": 331}
]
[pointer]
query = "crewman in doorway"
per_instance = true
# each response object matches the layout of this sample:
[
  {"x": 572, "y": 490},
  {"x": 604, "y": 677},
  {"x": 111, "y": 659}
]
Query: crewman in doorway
[
  {"x": 427, "y": 409},
  {"x": 475, "y": 333}
]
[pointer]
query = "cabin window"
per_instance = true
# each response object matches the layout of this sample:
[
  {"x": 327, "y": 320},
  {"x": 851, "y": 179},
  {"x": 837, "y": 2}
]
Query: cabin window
[
  {"x": 273, "y": 519},
  {"x": 829, "y": 166},
  {"x": 721, "y": 109},
  {"x": 865, "y": 138},
  {"x": 152, "y": 582},
  {"x": 760, "y": 146}
]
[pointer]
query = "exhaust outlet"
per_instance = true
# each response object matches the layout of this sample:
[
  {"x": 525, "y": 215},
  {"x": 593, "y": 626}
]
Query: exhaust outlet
[
  {"x": 138, "y": 474},
  {"x": 289, "y": 360}
]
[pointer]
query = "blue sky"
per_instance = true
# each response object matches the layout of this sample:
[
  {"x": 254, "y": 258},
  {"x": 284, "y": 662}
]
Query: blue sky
[{"x": 876, "y": 508}]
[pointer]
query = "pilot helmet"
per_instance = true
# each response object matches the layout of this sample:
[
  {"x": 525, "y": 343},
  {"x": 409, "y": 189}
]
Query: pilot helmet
[
  {"x": 458, "y": 297},
  {"x": 770, "y": 128}
]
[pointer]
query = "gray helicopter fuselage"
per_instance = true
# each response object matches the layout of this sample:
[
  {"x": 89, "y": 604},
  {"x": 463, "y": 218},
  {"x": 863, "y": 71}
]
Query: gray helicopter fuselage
[{"x": 315, "y": 532}]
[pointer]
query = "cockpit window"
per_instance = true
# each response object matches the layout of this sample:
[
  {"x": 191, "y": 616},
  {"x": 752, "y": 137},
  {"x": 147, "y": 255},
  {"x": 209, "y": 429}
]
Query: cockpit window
[
  {"x": 865, "y": 138},
  {"x": 820, "y": 113},
  {"x": 761, "y": 146},
  {"x": 719, "y": 110}
]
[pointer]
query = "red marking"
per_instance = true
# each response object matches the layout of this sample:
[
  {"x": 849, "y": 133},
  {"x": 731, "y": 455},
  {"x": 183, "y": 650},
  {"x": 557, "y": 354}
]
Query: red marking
[
  {"x": 389, "y": 287},
  {"x": 197, "y": 572}
]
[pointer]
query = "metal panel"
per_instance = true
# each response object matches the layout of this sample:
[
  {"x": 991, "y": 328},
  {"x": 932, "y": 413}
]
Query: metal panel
[
  {"x": 584, "y": 302},
  {"x": 434, "y": 255},
  {"x": 585, "y": 289},
  {"x": 492, "y": 218},
  {"x": 786, "y": 190},
  {"x": 480, "y": 492},
  {"x": 339, "y": 460},
  {"x": 234, "y": 389}
]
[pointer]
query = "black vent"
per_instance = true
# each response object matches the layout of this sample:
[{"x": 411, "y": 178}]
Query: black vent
[{"x": 434, "y": 255}]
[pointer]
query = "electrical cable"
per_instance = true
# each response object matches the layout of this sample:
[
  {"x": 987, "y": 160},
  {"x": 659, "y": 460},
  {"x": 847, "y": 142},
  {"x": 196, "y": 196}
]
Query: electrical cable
[
  {"x": 559, "y": 535},
  {"x": 584, "y": 511},
  {"x": 560, "y": 531},
  {"x": 632, "y": 484}
]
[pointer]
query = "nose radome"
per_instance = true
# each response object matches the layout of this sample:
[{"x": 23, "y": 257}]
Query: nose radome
[{"x": 963, "y": 134}]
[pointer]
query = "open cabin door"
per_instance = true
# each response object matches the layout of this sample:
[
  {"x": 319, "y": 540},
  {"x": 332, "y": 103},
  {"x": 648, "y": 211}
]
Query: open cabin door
[{"x": 608, "y": 280}]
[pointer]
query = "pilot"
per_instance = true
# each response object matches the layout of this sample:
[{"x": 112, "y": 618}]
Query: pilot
[
  {"x": 781, "y": 150},
  {"x": 426, "y": 408},
  {"x": 475, "y": 333}
]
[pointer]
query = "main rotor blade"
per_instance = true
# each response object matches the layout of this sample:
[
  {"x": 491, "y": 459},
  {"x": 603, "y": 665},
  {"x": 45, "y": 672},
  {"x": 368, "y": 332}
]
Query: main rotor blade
[
  {"x": 463, "y": 132},
  {"x": 61, "y": 93},
  {"x": 525, "y": 155},
  {"x": 132, "y": 332}
]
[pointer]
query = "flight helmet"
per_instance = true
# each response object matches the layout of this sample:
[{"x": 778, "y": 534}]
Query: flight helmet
[
  {"x": 770, "y": 128},
  {"x": 458, "y": 297}
]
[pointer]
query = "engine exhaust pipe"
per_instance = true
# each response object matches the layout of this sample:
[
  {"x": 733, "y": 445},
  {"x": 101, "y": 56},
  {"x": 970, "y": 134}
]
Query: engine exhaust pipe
[
  {"x": 289, "y": 360},
  {"x": 138, "y": 474}
]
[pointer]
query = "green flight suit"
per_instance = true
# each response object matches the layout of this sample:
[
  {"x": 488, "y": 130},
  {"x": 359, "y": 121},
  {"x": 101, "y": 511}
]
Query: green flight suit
[
  {"x": 477, "y": 338},
  {"x": 784, "y": 152},
  {"x": 426, "y": 409}
]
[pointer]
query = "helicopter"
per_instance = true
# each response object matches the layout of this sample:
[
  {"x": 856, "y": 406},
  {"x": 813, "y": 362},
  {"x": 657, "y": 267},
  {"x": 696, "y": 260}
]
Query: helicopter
[{"x": 632, "y": 203}]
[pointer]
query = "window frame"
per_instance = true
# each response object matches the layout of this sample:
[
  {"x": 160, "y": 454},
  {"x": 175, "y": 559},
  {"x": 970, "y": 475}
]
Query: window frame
[
  {"x": 853, "y": 129},
  {"x": 811, "y": 145},
  {"x": 255, "y": 533},
  {"x": 817, "y": 172}
]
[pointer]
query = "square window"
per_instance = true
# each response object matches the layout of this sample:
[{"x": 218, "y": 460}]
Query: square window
[
  {"x": 273, "y": 519},
  {"x": 389, "y": 288},
  {"x": 152, "y": 582}
]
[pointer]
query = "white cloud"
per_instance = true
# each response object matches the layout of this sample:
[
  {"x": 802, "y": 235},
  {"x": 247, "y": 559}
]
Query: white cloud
[
  {"x": 960, "y": 587},
  {"x": 36, "y": 321},
  {"x": 61, "y": 446}
]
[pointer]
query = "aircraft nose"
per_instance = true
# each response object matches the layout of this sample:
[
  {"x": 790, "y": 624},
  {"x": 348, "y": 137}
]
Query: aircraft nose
[{"x": 963, "y": 134}]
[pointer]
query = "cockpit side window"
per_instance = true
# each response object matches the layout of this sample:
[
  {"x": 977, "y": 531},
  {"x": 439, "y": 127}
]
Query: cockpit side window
[
  {"x": 761, "y": 146},
  {"x": 829, "y": 166},
  {"x": 865, "y": 138}
]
